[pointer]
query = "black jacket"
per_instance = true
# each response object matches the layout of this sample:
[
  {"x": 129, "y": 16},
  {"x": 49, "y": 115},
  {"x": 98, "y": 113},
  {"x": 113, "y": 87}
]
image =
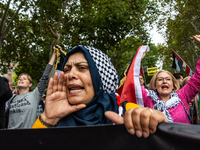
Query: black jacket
[{"x": 5, "y": 94}]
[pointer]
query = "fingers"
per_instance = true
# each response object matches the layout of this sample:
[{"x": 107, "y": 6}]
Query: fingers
[
  {"x": 132, "y": 121},
  {"x": 114, "y": 117},
  {"x": 156, "y": 118},
  {"x": 13, "y": 91},
  {"x": 197, "y": 39},
  {"x": 50, "y": 87},
  {"x": 143, "y": 55},
  {"x": 60, "y": 81},
  {"x": 75, "y": 108},
  {"x": 55, "y": 82},
  {"x": 59, "y": 47},
  {"x": 146, "y": 118},
  {"x": 143, "y": 121},
  {"x": 65, "y": 83}
]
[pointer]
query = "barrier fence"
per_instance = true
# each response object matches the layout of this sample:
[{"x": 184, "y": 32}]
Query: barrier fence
[{"x": 170, "y": 136}]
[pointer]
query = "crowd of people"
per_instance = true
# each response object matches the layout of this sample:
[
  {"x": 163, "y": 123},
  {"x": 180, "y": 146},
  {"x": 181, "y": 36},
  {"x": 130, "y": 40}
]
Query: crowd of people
[{"x": 84, "y": 94}]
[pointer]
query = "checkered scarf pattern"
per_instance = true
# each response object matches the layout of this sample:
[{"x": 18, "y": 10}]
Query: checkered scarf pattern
[
  {"x": 106, "y": 69},
  {"x": 161, "y": 106}
]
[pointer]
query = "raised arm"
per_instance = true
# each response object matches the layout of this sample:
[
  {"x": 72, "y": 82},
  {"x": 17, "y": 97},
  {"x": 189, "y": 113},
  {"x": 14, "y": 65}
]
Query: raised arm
[
  {"x": 44, "y": 79},
  {"x": 190, "y": 90}
]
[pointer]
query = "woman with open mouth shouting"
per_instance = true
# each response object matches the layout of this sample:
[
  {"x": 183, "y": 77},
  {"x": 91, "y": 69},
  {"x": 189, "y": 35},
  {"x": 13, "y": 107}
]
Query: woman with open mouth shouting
[
  {"x": 84, "y": 91},
  {"x": 164, "y": 94}
]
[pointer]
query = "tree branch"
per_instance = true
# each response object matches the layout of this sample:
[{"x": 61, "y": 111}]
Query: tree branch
[
  {"x": 3, "y": 20},
  {"x": 13, "y": 17},
  {"x": 52, "y": 32},
  {"x": 195, "y": 27}
]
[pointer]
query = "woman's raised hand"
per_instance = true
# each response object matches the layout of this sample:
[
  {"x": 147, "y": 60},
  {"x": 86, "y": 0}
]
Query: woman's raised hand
[
  {"x": 56, "y": 103},
  {"x": 139, "y": 121},
  {"x": 197, "y": 39}
]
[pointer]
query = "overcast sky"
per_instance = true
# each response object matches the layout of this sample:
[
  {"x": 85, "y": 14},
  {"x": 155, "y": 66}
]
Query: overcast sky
[{"x": 156, "y": 37}]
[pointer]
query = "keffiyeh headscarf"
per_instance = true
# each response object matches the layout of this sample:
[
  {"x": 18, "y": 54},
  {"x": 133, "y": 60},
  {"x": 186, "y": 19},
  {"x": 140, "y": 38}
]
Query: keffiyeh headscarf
[
  {"x": 105, "y": 82},
  {"x": 160, "y": 105}
]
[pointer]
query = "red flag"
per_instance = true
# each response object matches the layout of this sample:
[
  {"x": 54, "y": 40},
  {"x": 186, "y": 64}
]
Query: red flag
[
  {"x": 142, "y": 71},
  {"x": 122, "y": 80},
  {"x": 131, "y": 90}
]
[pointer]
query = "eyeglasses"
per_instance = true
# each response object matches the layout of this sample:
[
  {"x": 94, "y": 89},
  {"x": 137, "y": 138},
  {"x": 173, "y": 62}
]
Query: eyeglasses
[{"x": 162, "y": 79}]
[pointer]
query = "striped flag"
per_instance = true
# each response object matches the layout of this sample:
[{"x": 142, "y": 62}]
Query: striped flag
[
  {"x": 180, "y": 65},
  {"x": 122, "y": 80},
  {"x": 142, "y": 71},
  {"x": 131, "y": 90}
]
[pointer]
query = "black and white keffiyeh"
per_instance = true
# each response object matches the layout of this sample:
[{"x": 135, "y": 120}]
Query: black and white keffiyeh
[
  {"x": 160, "y": 105},
  {"x": 106, "y": 69},
  {"x": 105, "y": 82}
]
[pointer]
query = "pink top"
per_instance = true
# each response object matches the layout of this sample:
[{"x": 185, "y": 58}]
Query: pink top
[{"x": 186, "y": 94}]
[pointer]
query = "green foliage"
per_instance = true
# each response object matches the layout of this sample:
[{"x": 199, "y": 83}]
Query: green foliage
[
  {"x": 123, "y": 53},
  {"x": 181, "y": 25},
  {"x": 15, "y": 78},
  {"x": 103, "y": 24}
]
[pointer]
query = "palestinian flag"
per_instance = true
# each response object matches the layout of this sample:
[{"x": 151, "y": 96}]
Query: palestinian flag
[
  {"x": 180, "y": 65},
  {"x": 131, "y": 91},
  {"x": 60, "y": 59}
]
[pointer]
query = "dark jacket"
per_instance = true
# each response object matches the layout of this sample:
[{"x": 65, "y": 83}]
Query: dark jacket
[{"x": 5, "y": 94}]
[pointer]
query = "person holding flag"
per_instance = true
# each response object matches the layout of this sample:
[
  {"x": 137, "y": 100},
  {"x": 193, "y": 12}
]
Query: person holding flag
[
  {"x": 164, "y": 95},
  {"x": 84, "y": 94},
  {"x": 180, "y": 65},
  {"x": 22, "y": 107}
]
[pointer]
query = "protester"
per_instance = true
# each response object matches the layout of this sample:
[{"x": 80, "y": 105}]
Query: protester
[
  {"x": 85, "y": 91},
  {"x": 179, "y": 78},
  {"x": 141, "y": 78},
  {"x": 185, "y": 81},
  {"x": 5, "y": 94},
  {"x": 23, "y": 107},
  {"x": 89, "y": 81},
  {"x": 193, "y": 104},
  {"x": 164, "y": 95}
]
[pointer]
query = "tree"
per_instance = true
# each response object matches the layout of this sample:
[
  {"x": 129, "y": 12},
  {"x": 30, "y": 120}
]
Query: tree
[
  {"x": 102, "y": 24},
  {"x": 180, "y": 27},
  {"x": 8, "y": 16}
]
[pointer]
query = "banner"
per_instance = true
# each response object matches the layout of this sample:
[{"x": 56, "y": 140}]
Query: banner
[
  {"x": 180, "y": 65},
  {"x": 152, "y": 71},
  {"x": 103, "y": 137}
]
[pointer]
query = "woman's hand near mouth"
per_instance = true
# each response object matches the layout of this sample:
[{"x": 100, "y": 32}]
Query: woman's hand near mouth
[{"x": 56, "y": 101}]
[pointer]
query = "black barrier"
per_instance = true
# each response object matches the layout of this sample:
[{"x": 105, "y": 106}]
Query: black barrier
[{"x": 170, "y": 136}]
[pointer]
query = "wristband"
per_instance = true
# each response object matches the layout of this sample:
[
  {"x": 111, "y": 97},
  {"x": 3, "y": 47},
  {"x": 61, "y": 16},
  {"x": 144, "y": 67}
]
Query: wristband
[{"x": 45, "y": 123}]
